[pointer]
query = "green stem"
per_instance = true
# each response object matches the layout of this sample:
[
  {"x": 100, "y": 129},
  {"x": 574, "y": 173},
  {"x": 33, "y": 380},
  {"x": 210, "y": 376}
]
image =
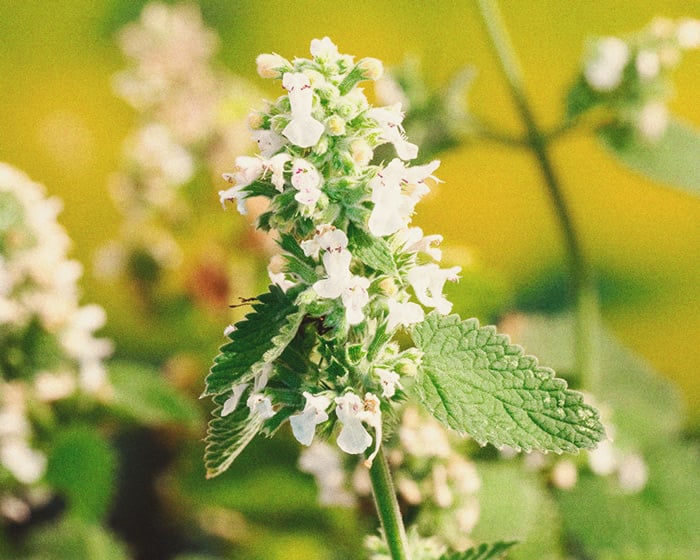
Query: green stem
[
  {"x": 583, "y": 286},
  {"x": 388, "y": 507}
]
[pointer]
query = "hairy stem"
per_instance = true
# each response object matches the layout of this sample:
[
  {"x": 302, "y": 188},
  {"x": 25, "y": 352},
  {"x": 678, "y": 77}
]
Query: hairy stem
[
  {"x": 584, "y": 291},
  {"x": 388, "y": 507}
]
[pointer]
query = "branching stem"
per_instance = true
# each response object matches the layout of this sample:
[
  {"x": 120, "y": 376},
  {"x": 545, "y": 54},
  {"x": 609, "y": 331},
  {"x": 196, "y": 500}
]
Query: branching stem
[{"x": 584, "y": 291}]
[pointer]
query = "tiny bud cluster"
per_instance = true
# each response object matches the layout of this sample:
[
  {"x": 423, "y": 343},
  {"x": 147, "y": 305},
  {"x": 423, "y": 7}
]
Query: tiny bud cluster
[
  {"x": 630, "y": 75},
  {"x": 350, "y": 255}
]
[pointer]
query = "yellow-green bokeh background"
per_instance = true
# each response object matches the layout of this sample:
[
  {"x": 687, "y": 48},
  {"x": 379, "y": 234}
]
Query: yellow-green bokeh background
[{"x": 60, "y": 122}]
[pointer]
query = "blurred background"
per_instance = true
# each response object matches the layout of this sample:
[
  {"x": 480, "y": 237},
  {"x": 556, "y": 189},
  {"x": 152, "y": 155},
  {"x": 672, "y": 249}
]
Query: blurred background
[{"x": 62, "y": 123}]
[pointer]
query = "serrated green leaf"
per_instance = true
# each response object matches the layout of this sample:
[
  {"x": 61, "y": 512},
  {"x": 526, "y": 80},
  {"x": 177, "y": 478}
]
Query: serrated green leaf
[
  {"x": 474, "y": 381},
  {"x": 258, "y": 339},
  {"x": 372, "y": 251},
  {"x": 674, "y": 159},
  {"x": 481, "y": 552},
  {"x": 228, "y": 436},
  {"x": 143, "y": 395},
  {"x": 82, "y": 468}
]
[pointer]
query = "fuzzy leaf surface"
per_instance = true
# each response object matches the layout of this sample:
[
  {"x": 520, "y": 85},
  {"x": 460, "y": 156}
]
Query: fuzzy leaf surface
[
  {"x": 474, "y": 381},
  {"x": 228, "y": 436},
  {"x": 674, "y": 159},
  {"x": 258, "y": 339},
  {"x": 481, "y": 552}
]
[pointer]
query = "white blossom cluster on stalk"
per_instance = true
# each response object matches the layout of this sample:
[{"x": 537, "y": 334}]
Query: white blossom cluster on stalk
[
  {"x": 190, "y": 115},
  {"x": 350, "y": 254},
  {"x": 48, "y": 349},
  {"x": 431, "y": 475},
  {"x": 630, "y": 75}
]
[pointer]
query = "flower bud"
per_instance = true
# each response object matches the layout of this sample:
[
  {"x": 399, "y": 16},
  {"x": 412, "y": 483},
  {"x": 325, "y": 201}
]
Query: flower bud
[
  {"x": 255, "y": 120},
  {"x": 372, "y": 68},
  {"x": 271, "y": 65},
  {"x": 336, "y": 125}
]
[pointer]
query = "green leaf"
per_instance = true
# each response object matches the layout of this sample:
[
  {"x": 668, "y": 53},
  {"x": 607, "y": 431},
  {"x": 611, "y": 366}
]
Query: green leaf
[
  {"x": 373, "y": 251},
  {"x": 141, "y": 394},
  {"x": 481, "y": 552},
  {"x": 658, "y": 523},
  {"x": 228, "y": 436},
  {"x": 82, "y": 467},
  {"x": 474, "y": 381},
  {"x": 258, "y": 339},
  {"x": 516, "y": 505},
  {"x": 674, "y": 159},
  {"x": 75, "y": 540}
]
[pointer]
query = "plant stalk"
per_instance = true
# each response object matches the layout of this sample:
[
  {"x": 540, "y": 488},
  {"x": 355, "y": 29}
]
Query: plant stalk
[
  {"x": 583, "y": 286},
  {"x": 388, "y": 507}
]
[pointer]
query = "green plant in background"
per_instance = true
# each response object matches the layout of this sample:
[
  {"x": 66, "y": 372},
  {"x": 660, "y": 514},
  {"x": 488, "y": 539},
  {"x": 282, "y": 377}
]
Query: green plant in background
[
  {"x": 621, "y": 97},
  {"x": 60, "y": 402},
  {"x": 325, "y": 347}
]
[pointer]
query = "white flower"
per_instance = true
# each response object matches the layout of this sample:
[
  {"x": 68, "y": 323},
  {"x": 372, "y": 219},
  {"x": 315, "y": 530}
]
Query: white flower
[
  {"x": 342, "y": 283},
  {"x": 337, "y": 265},
  {"x": 25, "y": 463},
  {"x": 372, "y": 416},
  {"x": 232, "y": 402},
  {"x": 303, "y": 130},
  {"x": 275, "y": 165},
  {"x": 648, "y": 64},
  {"x": 353, "y": 437},
  {"x": 395, "y": 192},
  {"x": 354, "y": 298},
  {"x": 307, "y": 180},
  {"x": 389, "y": 120},
  {"x": 632, "y": 474},
  {"x": 270, "y": 65},
  {"x": 304, "y": 424},
  {"x": 269, "y": 142},
  {"x": 603, "y": 71},
  {"x": 688, "y": 33},
  {"x": 275, "y": 270},
  {"x": 261, "y": 405},
  {"x": 389, "y": 381},
  {"x": 324, "y": 49},
  {"x": 653, "y": 120},
  {"x": 234, "y": 193},
  {"x": 428, "y": 281},
  {"x": 404, "y": 314},
  {"x": 416, "y": 242}
]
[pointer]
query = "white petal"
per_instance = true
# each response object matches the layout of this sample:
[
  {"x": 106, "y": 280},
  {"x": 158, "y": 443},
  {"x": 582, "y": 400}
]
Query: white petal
[
  {"x": 353, "y": 437},
  {"x": 304, "y": 426}
]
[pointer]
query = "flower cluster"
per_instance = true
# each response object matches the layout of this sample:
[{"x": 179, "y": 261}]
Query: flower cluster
[
  {"x": 350, "y": 256},
  {"x": 430, "y": 472},
  {"x": 190, "y": 114},
  {"x": 630, "y": 76},
  {"x": 48, "y": 351}
]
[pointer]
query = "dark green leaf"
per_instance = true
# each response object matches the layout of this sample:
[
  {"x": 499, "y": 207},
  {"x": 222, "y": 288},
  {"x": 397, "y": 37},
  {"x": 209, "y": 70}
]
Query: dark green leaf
[
  {"x": 474, "y": 381},
  {"x": 82, "y": 467},
  {"x": 373, "y": 251},
  {"x": 258, "y": 339},
  {"x": 228, "y": 436},
  {"x": 674, "y": 159}
]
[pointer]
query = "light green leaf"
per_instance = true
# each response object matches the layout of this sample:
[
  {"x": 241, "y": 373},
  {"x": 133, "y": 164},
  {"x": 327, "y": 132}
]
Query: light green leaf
[
  {"x": 474, "y": 381},
  {"x": 141, "y": 394},
  {"x": 75, "y": 540},
  {"x": 82, "y": 468},
  {"x": 673, "y": 160},
  {"x": 481, "y": 552},
  {"x": 258, "y": 339},
  {"x": 228, "y": 436},
  {"x": 658, "y": 523}
]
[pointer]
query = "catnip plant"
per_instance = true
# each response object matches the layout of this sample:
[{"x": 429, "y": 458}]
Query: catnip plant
[{"x": 355, "y": 321}]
